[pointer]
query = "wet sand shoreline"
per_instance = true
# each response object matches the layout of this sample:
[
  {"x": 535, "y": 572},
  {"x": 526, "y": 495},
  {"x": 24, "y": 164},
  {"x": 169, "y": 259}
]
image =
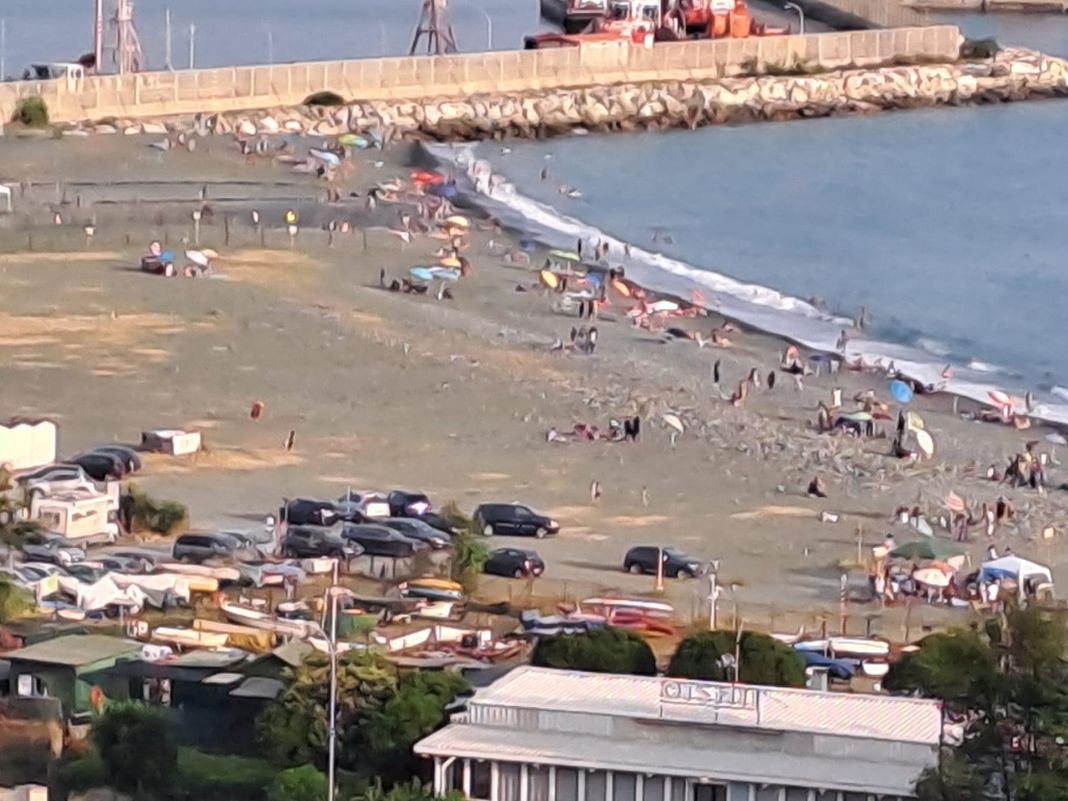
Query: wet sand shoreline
[{"x": 390, "y": 390}]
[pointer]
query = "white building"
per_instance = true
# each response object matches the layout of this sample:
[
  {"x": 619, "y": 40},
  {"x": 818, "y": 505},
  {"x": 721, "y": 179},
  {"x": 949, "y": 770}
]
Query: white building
[{"x": 553, "y": 735}]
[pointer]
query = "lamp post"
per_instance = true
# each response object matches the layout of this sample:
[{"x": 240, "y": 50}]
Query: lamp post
[
  {"x": 800, "y": 14},
  {"x": 489, "y": 29},
  {"x": 331, "y": 642}
]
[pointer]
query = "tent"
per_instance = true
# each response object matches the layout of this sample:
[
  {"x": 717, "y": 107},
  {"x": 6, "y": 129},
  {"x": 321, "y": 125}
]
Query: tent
[
  {"x": 6, "y": 205},
  {"x": 1014, "y": 567},
  {"x": 927, "y": 549}
]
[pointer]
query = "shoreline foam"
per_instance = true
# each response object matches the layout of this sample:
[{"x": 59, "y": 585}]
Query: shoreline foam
[{"x": 754, "y": 305}]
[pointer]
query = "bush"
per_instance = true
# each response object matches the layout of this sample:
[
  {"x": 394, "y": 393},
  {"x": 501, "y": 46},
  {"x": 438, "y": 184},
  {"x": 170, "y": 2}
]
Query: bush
[
  {"x": 298, "y": 784},
  {"x": 145, "y": 512},
  {"x": 81, "y": 774},
  {"x": 709, "y": 656},
  {"x": 31, "y": 112},
  {"x": 599, "y": 651},
  {"x": 324, "y": 99},
  {"x": 209, "y": 777},
  {"x": 136, "y": 748}
]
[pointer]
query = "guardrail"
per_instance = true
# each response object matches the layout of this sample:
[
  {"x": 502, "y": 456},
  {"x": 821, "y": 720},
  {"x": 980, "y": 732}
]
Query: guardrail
[{"x": 152, "y": 94}]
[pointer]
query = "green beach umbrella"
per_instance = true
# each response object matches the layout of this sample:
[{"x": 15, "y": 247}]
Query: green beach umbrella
[{"x": 927, "y": 549}]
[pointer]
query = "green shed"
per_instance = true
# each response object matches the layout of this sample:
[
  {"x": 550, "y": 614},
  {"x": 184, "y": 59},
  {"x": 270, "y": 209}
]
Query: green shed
[{"x": 58, "y": 669}]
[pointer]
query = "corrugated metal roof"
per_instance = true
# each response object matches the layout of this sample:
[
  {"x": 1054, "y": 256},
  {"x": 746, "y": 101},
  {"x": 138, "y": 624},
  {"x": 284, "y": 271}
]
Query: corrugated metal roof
[
  {"x": 568, "y": 750},
  {"x": 712, "y": 703},
  {"x": 75, "y": 650}
]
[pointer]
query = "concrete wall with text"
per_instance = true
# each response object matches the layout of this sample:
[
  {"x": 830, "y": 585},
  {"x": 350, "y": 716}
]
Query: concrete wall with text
[{"x": 152, "y": 94}]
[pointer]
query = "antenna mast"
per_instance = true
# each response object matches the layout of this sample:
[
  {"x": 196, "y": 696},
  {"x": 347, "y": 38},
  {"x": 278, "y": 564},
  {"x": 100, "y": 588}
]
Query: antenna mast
[
  {"x": 128, "y": 54},
  {"x": 434, "y": 25}
]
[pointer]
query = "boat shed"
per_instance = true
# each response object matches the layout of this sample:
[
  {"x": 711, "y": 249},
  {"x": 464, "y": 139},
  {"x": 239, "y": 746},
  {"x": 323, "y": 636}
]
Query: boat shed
[{"x": 552, "y": 735}]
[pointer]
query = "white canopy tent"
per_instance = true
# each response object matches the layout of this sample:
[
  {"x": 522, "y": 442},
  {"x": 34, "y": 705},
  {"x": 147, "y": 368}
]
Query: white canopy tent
[
  {"x": 6, "y": 203},
  {"x": 1019, "y": 568}
]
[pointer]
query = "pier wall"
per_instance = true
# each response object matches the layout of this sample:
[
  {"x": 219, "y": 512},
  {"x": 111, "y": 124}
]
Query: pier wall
[{"x": 156, "y": 94}]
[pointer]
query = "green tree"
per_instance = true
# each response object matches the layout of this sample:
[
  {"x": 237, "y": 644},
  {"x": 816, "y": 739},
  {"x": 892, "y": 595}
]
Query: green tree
[
  {"x": 304, "y": 783},
  {"x": 710, "y": 656},
  {"x": 1009, "y": 683},
  {"x": 381, "y": 715},
  {"x": 14, "y": 601},
  {"x": 136, "y": 748},
  {"x": 468, "y": 558},
  {"x": 13, "y": 528},
  {"x": 293, "y": 729},
  {"x": 414, "y": 790},
  {"x": 606, "y": 650},
  {"x": 415, "y": 711},
  {"x": 955, "y": 779}
]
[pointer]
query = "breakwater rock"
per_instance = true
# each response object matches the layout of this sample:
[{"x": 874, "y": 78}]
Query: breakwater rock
[{"x": 1011, "y": 75}]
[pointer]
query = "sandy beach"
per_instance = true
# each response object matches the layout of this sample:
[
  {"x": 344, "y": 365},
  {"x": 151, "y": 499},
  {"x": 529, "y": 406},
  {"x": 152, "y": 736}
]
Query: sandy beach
[{"x": 390, "y": 390}]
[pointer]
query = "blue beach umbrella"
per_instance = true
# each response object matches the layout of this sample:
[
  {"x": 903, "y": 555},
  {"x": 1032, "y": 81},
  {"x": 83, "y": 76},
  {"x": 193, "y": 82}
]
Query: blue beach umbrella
[{"x": 901, "y": 391}]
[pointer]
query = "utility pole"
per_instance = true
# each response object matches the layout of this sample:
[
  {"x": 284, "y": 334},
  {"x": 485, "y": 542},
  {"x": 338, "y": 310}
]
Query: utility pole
[
  {"x": 192, "y": 44},
  {"x": 98, "y": 36},
  {"x": 3, "y": 48},
  {"x": 167, "y": 39},
  {"x": 270, "y": 43}
]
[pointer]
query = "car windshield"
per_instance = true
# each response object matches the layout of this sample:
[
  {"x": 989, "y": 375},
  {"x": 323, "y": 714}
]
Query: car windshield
[{"x": 677, "y": 554}]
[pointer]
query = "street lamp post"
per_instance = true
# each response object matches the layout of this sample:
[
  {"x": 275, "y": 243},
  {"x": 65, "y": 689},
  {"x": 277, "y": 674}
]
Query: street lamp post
[
  {"x": 800, "y": 14},
  {"x": 489, "y": 29},
  {"x": 331, "y": 642}
]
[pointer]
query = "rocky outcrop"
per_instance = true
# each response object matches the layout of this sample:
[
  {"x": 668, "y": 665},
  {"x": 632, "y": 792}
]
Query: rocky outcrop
[{"x": 1011, "y": 75}]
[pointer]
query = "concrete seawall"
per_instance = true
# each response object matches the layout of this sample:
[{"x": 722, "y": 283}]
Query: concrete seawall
[
  {"x": 1013, "y": 75},
  {"x": 155, "y": 94}
]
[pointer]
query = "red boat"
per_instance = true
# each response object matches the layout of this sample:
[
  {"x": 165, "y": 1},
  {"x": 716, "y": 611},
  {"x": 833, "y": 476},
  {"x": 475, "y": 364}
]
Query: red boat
[{"x": 633, "y": 20}]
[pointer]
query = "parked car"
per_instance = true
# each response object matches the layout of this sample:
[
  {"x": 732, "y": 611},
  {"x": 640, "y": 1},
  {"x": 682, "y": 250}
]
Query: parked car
[
  {"x": 52, "y": 548},
  {"x": 512, "y": 518},
  {"x": 303, "y": 542},
  {"x": 435, "y": 520},
  {"x": 415, "y": 529},
  {"x": 309, "y": 512},
  {"x": 364, "y": 505},
  {"x": 382, "y": 541},
  {"x": 148, "y": 559},
  {"x": 198, "y": 547},
  {"x": 54, "y": 479},
  {"x": 120, "y": 564},
  {"x": 131, "y": 459},
  {"x": 268, "y": 574},
  {"x": 256, "y": 542},
  {"x": 40, "y": 570},
  {"x": 100, "y": 466},
  {"x": 403, "y": 503},
  {"x": 514, "y": 562},
  {"x": 643, "y": 559},
  {"x": 87, "y": 574}
]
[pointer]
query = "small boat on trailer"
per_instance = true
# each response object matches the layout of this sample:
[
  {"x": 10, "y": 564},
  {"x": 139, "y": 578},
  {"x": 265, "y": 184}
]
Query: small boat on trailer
[{"x": 254, "y": 618}]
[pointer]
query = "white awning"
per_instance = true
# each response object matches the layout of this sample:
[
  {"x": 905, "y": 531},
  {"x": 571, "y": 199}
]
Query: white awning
[{"x": 886, "y": 777}]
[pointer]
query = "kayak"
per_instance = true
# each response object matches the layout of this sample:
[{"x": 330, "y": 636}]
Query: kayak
[
  {"x": 354, "y": 140},
  {"x": 549, "y": 278},
  {"x": 567, "y": 255}
]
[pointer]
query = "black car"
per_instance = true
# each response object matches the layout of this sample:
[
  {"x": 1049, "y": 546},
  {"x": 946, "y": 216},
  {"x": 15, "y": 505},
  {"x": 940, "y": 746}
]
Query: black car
[
  {"x": 382, "y": 541},
  {"x": 310, "y": 541},
  {"x": 512, "y": 518},
  {"x": 198, "y": 547},
  {"x": 643, "y": 559},
  {"x": 100, "y": 466},
  {"x": 514, "y": 562},
  {"x": 415, "y": 529},
  {"x": 309, "y": 512},
  {"x": 403, "y": 503},
  {"x": 130, "y": 458}
]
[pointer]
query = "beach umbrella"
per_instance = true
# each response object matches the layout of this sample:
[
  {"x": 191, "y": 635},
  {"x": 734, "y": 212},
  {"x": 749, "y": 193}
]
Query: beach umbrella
[
  {"x": 901, "y": 391},
  {"x": 925, "y": 442},
  {"x": 549, "y": 279},
  {"x": 566, "y": 255},
  {"x": 932, "y": 577},
  {"x": 673, "y": 421},
  {"x": 927, "y": 549}
]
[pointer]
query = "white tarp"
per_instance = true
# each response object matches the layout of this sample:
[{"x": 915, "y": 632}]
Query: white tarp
[
  {"x": 25, "y": 444},
  {"x": 100, "y": 594},
  {"x": 156, "y": 586}
]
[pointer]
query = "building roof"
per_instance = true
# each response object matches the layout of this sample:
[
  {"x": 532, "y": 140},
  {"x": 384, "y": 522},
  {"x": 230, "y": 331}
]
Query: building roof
[
  {"x": 259, "y": 687},
  {"x": 661, "y": 758},
  {"x": 877, "y": 717},
  {"x": 75, "y": 650}
]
